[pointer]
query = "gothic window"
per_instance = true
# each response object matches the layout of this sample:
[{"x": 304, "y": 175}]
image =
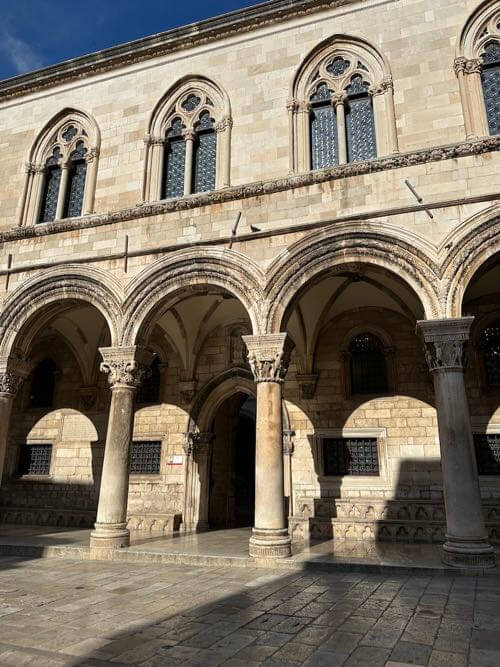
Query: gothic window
[
  {"x": 342, "y": 107},
  {"x": 43, "y": 384},
  {"x": 489, "y": 343},
  {"x": 367, "y": 365},
  {"x": 189, "y": 134},
  {"x": 62, "y": 170},
  {"x": 490, "y": 78},
  {"x": 149, "y": 391}
]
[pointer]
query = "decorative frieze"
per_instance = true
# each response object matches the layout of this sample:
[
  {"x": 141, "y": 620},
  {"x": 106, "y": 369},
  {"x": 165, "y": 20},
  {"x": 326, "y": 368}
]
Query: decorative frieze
[
  {"x": 269, "y": 356},
  {"x": 126, "y": 366},
  {"x": 445, "y": 342}
]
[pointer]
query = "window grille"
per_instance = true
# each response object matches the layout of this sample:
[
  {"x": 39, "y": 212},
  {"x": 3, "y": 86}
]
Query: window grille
[
  {"x": 350, "y": 456},
  {"x": 204, "y": 157},
  {"x": 490, "y": 77},
  {"x": 368, "y": 367},
  {"x": 149, "y": 391},
  {"x": 145, "y": 457},
  {"x": 35, "y": 459},
  {"x": 489, "y": 342},
  {"x": 487, "y": 448},
  {"x": 323, "y": 129},
  {"x": 43, "y": 384},
  {"x": 175, "y": 160},
  {"x": 360, "y": 122}
]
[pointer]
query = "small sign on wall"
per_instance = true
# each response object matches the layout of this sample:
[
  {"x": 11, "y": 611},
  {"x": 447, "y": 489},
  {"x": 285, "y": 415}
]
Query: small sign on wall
[{"x": 175, "y": 460}]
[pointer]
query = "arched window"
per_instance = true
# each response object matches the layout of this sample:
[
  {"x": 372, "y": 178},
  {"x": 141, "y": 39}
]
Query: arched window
[
  {"x": 62, "y": 170},
  {"x": 489, "y": 343},
  {"x": 342, "y": 108},
  {"x": 43, "y": 384},
  {"x": 477, "y": 66},
  {"x": 367, "y": 365},
  {"x": 149, "y": 391},
  {"x": 188, "y": 145}
]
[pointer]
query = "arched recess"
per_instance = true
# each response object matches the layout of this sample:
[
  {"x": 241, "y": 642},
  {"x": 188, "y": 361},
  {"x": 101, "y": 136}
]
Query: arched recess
[
  {"x": 347, "y": 249},
  {"x": 189, "y": 101},
  {"x": 167, "y": 281},
  {"x": 35, "y": 302},
  {"x": 69, "y": 142},
  {"x": 364, "y": 62},
  {"x": 481, "y": 30}
]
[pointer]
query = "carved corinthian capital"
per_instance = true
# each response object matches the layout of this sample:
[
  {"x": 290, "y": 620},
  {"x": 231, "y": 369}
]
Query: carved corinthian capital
[
  {"x": 10, "y": 383},
  {"x": 13, "y": 371},
  {"x": 269, "y": 356},
  {"x": 126, "y": 366},
  {"x": 445, "y": 342},
  {"x": 198, "y": 443}
]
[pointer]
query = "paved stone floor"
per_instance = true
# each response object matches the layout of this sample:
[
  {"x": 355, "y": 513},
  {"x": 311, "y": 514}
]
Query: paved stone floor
[{"x": 60, "y": 612}]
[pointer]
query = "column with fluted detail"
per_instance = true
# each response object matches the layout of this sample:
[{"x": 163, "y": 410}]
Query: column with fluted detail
[
  {"x": 269, "y": 357},
  {"x": 198, "y": 450},
  {"x": 12, "y": 375},
  {"x": 126, "y": 368},
  {"x": 466, "y": 543}
]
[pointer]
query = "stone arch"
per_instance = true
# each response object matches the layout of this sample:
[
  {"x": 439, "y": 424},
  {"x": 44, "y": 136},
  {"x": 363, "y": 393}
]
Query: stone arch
[
  {"x": 337, "y": 247},
  {"x": 190, "y": 270},
  {"x": 44, "y": 294},
  {"x": 473, "y": 243}
]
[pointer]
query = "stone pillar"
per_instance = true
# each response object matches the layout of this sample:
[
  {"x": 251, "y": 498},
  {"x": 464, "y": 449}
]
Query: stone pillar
[
  {"x": 126, "y": 368},
  {"x": 338, "y": 102},
  {"x": 466, "y": 538},
  {"x": 190, "y": 137},
  {"x": 11, "y": 381},
  {"x": 198, "y": 450},
  {"x": 269, "y": 356},
  {"x": 63, "y": 186}
]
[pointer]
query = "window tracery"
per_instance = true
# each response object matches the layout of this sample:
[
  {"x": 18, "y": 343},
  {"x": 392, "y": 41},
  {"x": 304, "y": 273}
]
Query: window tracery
[
  {"x": 341, "y": 107},
  {"x": 188, "y": 144},
  {"x": 61, "y": 173}
]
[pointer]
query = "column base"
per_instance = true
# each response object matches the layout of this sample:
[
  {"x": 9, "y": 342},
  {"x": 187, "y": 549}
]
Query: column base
[
  {"x": 110, "y": 536},
  {"x": 270, "y": 543},
  {"x": 475, "y": 553}
]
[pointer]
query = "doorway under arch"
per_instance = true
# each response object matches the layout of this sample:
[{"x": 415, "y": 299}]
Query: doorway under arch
[{"x": 232, "y": 466}]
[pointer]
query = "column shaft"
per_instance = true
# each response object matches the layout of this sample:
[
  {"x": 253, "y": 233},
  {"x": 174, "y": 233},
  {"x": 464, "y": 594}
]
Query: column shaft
[{"x": 6, "y": 401}]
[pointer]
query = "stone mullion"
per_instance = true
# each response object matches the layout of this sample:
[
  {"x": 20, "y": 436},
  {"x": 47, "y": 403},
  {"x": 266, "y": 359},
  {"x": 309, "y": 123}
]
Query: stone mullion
[
  {"x": 269, "y": 356},
  {"x": 338, "y": 101},
  {"x": 466, "y": 540},
  {"x": 292, "y": 108},
  {"x": 63, "y": 185},
  {"x": 190, "y": 137},
  {"x": 126, "y": 368}
]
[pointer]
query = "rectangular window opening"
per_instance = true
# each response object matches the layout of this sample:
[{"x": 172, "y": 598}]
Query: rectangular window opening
[
  {"x": 350, "y": 456},
  {"x": 35, "y": 460},
  {"x": 145, "y": 457}
]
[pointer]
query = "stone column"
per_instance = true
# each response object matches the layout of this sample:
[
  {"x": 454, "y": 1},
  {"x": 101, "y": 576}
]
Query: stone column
[
  {"x": 63, "y": 186},
  {"x": 126, "y": 368},
  {"x": 338, "y": 102},
  {"x": 11, "y": 381},
  {"x": 198, "y": 450},
  {"x": 190, "y": 137},
  {"x": 269, "y": 356},
  {"x": 466, "y": 538}
]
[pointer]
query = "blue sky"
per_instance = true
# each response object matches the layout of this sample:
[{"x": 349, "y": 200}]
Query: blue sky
[{"x": 38, "y": 33}]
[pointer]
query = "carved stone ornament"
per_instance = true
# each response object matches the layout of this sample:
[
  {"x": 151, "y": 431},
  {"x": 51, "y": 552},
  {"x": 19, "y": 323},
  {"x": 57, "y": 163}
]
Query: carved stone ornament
[
  {"x": 445, "y": 342},
  {"x": 197, "y": 443},
  {"x": 126, "y": 366},
  {"x": 269, "y": 356},
  {"x": 288, "y": 446},
  {"x": 187, "y": 389},
  {"x": 307, "y": 385},
  {"x": 10, "y": 383},
  {"x": 13, "y": 371},
  {"x": 88, "y": 398},
  {"x": 460, "y": 65},
  {"x": 473, "y": 66}
]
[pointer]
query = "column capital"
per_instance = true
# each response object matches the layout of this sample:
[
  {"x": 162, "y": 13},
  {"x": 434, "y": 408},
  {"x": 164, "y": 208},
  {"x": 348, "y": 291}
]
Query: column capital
[
  {"x": 189, "y": 135},
  {"x": 197, "y": 443},
  {"x": 269, "y": 356},
  {"x": 13, "y": 372},
  {"x": 460, "y": 64},
  {"x": 445, "y": 342},
  {"x": 126, "y": 366},
  {"x": 339, "y": 98},
  {"x": 292, "y": 104}
]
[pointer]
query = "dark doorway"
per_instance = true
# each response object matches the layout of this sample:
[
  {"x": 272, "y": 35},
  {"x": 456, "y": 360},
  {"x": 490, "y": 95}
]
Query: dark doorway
[{"x": 232, "y": 470}]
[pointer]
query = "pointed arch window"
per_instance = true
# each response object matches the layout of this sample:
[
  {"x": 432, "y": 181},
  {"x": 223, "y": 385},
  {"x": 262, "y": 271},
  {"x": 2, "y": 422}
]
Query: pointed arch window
[
  {"x": 367, "y": 365},
  {"x": 61, "y": 174},
  {"x": 323, "y": 129},
  {"x": 360, "y": 121},
  {"x": 174, "y": 160},
  {"x": 490, "y": 79},
  {"x": 205, "y": 154},
  {"x": 489, "y": 344},
  {"x": 43, "y": 384}
]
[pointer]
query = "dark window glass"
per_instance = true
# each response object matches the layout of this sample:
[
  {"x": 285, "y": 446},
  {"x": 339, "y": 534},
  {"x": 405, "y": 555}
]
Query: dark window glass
[
  {"x": 205, "y": 154},
  {"x": 149, "y": 391},
  {"x": 35, "y": 459},
  {"x": 489, "y": 342},
  {"x": 43, "y": 384},
  {"x": 76, "y": 182},
  {"x": 350, "y": 456},
  {"x": 174, "y": 161},
  {"x": 360, "y": 123},
  {"x": 368, "y": 368},
  {"x": 50, "y": 194},
  {"x": 145, "y": 458},
  {"x": 487, "y": 453},
  {"x": 491, "y": 85},
  {"x": 323, "y": 129}
]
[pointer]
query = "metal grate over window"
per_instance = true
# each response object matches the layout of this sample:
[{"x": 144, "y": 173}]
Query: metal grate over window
[
  {"x": 487, "y": 448},
  {"x": 175, "y": 159},
  {"x": 205, "y": 153},
  {"x": 490, "y": 77},
  {"x": 489, "y": 342},
  {"x": 35, "y": 459},
  {"x": 50, "y": 194},
  {"x": 360, "y": 122},
  {"x": 368, "y": 367},
  {"x": 350, "y": 456},
  {"x": 145, "y": 457}
]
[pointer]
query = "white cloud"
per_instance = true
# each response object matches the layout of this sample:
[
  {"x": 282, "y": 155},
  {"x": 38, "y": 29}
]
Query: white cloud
[{"x": 20, "y": 53}]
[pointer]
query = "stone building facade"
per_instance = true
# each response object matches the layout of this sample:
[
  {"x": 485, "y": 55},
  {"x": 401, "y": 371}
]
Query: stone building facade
[{"x": 277, "y": 235}]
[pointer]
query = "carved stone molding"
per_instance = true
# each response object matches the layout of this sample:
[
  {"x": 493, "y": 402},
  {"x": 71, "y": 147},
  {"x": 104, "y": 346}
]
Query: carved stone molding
[
  {"x": 187, "y": 389},
  {"x": 13, "y": 372},
  {"x": 126, "y": 366},
  {"x": 307, "y": 385},
  {"x": 198, "y": 443},
  {"x": 445, "y": 342},
  {"x": 10, "y": 383},
  {"x": 288, "y": 446},
  {"x": 269, "y": 356}
]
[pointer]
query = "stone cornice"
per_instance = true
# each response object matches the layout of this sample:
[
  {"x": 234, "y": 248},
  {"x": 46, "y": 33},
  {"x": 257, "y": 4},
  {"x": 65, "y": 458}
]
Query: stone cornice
[
  {"x": 258, "y": 188},
  {"x": 227, "y": 25}
]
